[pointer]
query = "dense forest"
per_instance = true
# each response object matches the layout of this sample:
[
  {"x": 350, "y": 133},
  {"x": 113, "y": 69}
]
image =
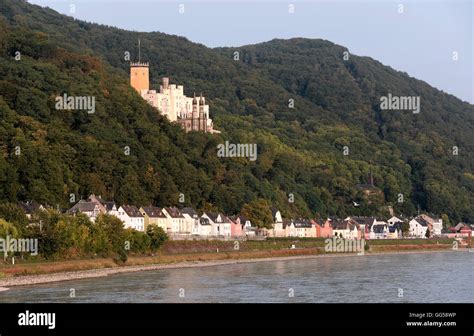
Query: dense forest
[{"x": 49, "y": 154}]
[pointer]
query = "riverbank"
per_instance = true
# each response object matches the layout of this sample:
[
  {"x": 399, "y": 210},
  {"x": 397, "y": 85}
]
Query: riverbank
[{"x": 137, "y": 264}]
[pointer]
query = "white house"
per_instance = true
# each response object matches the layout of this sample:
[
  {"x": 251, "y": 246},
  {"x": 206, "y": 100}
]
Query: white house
[
  {"x": 290, "y": 229},
  {"x": 90, "y": 209},
  {"x": 435, "y": 224},
  {"x": 348, "y": 229},
  {"x": 203, "y": 227},
  {"x": 395, "y": 231},
  {"x": 379, "y": 231},
  {"x": 395, "y": 228},
  {"x": 392, "y": 220},
  {"x": 221, "y": 225},
  {"x": 111, "y": 208},
  {"x": 279, "y": 229},
  {"x": 108, "y": 207},
  {"x": 30, "y": 207},
  {"x": 418, "y": 227},
  {"x": 365, "y": 224},
  {"x": 301, "y": 228},
  {"x": 131, "y": 217}
]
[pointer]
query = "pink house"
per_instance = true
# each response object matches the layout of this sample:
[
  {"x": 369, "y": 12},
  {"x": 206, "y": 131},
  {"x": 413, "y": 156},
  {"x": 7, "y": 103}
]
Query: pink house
[
  {"x": 236, "y": 229},
  {"x": 324, "y": 230},
  {"x": 461, "y": 230},
  {"x": 466, "y": 231}
]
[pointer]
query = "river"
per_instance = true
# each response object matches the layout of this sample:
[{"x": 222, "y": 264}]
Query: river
[{"x": 418, "y": 277}]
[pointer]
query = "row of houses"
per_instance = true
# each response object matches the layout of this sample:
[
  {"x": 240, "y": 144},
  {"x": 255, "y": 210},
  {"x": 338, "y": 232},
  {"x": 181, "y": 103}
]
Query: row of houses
[
  {"x": 357, "y": 227},
  {"x": 348, "y": 228},
  {"x": 176, "y": 222},
  {"x": 187, "y": 222}
]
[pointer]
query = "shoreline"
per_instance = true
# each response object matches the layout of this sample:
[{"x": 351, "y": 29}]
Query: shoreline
[{"x": 27, "y": 280}]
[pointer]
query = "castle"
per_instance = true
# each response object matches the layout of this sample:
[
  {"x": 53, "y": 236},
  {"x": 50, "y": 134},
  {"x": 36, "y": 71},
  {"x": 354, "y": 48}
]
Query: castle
[{"x": 191, "y": 113}]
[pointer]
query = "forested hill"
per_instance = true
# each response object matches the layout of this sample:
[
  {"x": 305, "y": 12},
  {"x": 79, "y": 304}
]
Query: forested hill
[{"x": 49, "y": 154}]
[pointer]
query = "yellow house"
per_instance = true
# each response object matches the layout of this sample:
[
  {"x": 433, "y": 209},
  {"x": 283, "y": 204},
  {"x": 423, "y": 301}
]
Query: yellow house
[{"x": 154, "y": 215}]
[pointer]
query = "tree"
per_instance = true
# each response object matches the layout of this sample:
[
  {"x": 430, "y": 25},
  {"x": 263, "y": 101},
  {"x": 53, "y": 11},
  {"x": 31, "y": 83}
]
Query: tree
[
  {"x": 366, "y": 245},
  {"x": 113, "y": 229},
  {"x": 13, "y": 213},
  {"x": 157, "y": 236},
  {"x": 259, "y": 213},
  {"x": 446, "y": 221},
  {"x": 428, "y": 233},
  {"x": 122, "y": 256},
  {"x": 405, "y": 228},
  {"x": 139, "y": 241},
  {"x": 7, "y": 229},
  {"x": 209, "y": 207}
]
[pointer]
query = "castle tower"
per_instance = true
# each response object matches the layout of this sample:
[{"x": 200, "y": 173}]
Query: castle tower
[
  {"x": 195, "y": 107},
  {"x": 202, "y": 114},
  {"x": 202, "y": 101},
  {"x": 195, "y": 115},
  {"x": 139, "y": 76},
  {"x": 166, "y": 83}
]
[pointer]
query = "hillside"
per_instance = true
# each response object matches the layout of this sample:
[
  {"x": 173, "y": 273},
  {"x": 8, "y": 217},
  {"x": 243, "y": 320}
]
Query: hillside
[{"x": 300, "y": 149}]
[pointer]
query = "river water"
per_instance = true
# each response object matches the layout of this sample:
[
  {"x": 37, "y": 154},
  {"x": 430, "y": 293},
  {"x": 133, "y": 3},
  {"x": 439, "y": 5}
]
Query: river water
[{"x": 422, "y": 277}]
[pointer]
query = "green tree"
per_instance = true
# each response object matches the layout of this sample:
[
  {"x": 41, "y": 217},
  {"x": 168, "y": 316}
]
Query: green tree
[
  {"x": 259, "y": 213},
  {"x": 113, "y": 229},
  {"x": 8, "y": 229},
  {"x": 405, "y": 228},
  {"x": 446, "y": 221},
  {"x": 157, "y": 236},
  {"x": 13, "y": 213},
  {"x": 122, "y": 256},
  {"x": 139, "y": 241}
]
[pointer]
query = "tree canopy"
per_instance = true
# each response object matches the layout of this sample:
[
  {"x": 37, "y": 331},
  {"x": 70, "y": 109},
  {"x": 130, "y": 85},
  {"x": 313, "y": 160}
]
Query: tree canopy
[{"x": 49, "y": 154}]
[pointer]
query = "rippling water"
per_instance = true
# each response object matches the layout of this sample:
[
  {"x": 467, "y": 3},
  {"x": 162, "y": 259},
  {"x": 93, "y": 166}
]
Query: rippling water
[{"x": 424, "y": 277}]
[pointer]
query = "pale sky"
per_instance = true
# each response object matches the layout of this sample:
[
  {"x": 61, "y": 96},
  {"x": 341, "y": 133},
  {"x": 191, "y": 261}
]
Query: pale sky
[{"x": 420, "y": 41}]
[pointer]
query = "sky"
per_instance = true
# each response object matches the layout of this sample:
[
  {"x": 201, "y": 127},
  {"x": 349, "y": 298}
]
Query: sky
[{"x": 431, "y": 40}]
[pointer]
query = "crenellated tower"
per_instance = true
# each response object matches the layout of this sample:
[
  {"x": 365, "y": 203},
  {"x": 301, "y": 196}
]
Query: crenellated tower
[
  {"x": 140, "y": 76},
  {"x": 202, "y": 114}
]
